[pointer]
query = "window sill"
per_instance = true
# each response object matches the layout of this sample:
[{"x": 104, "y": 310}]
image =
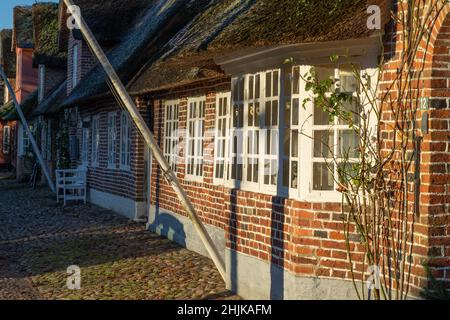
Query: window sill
[
  {"x": 197, "y": 179},
  {"x": 125, "y": 168},
  {"x": 292, "y": 194}
]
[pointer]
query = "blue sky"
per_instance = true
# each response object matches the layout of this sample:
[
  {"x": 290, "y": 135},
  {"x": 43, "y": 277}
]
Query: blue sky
[{"x": 6, "y": 9}]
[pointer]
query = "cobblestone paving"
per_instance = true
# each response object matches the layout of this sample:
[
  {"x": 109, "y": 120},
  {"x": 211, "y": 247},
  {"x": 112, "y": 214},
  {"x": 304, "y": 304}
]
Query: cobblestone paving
[{"x": 118, "y": 258}]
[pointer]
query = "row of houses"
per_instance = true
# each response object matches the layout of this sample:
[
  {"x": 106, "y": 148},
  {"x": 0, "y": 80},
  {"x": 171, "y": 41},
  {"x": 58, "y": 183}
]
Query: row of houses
[{"x": 197, "y": 71}]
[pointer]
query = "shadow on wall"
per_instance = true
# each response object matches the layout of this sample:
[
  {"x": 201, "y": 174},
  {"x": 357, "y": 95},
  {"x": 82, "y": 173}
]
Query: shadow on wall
[{"x": 168, "y": 226}]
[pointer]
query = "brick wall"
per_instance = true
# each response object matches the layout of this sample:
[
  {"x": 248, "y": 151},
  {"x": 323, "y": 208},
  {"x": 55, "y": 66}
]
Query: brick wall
[
  {"x": 86, "y": 61},
  {"x": 304, "y": 238},
  {"x": 431, "y": 237},
  {"x": 117, "y": 181},
  {"x": 53, "y": 77}
]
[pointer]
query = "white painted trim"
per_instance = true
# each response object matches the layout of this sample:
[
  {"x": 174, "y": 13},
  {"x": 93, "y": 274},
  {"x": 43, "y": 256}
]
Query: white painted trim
[
  {"x": 227, "y": 117},
  {"x": 190, "y": 177}
]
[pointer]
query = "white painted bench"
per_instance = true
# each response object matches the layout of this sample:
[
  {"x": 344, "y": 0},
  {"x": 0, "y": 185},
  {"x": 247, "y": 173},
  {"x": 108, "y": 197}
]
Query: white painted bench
[{"x": 71, "y": 185}]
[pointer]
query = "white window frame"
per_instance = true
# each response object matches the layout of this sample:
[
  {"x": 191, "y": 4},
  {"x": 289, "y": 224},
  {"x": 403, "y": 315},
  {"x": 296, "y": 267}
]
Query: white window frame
[
  {"x": 198, "y": 122},
  {"x": 249, "y": 133},
  {"x": 235, "y": 146},
  {"x": 302, "y": 189},
  {"x": 85, "y": 137},
  {"x": 75, "y": 65},
  {"x": 41, "y": 82},
  {"x": 6, "y": 142},
  {"x": 171, "y": 132},
  {"x": 307, "y": 114},
  {"x": 125, "y": 141},
  {"x": 221, "y": 145},
  {"x": 95, "y": 130},
  {"x": 112, "y": 139}
]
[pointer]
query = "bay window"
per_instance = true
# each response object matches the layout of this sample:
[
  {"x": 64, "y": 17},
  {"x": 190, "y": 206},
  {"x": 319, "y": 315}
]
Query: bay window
[{"x": 280, "y": 145}]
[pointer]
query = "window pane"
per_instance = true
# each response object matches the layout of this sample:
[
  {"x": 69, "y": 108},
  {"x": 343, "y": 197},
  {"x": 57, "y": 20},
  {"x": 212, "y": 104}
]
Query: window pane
[
  {"x": 323, "y": 143},
  {"x": 268, "y": 84},
  {"x": 296, "y": 80},
  {"x": 275, "y": 83},
  {"x": 287, "y": 113},
  {"x": 275, "y": 113},
  {"x": 348, "y": 144},
  {"x": 257, "y": 87},
  {"x": 324, "y": 73},
  {"x": 347, "y": 80},
  {"x": 323, "y": 177},
  {"x": 295, "y": 138},
  {"x": 294, "y": 174},
  {"x": 250, "y": 87},
  {"x": 295, "y": 112},
  {"x": 268, "y": 113},
  {"x": 353, "y": 109},
  {"x": 251, "y": 113},
  {"x": 321, "y": 117}
]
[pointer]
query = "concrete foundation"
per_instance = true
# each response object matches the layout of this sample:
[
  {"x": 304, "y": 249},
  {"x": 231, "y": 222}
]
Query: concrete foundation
[
  {"x": 181, "y": 230},
  {"x": 252, "y": 278},
  {"x": 124, "y": 206}
]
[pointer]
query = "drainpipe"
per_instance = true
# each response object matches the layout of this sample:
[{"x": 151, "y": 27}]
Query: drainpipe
[
  {"x": 148, "y": 137},
  {"x": 24, "y": 121}
]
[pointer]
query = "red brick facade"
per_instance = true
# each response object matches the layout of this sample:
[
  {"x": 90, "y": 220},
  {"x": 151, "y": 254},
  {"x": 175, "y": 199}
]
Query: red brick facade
[{"x": 305, "y": 238}]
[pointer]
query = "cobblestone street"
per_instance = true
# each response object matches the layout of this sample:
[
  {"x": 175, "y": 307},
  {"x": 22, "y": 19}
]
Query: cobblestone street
[{"x": 118, "y": 258}]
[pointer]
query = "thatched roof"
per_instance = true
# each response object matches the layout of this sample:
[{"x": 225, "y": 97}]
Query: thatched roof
[
  {"x": 52, "y": 103},
  {"x": 143, "y": 42},
  {"x": 185, "y": 53},
  {"x": 22, "y": 27},
  {"x": 7, "y": 56},
  {"x": 108, "y": 19},
  {"x": 6, "y": 109},
  {"x": 229, "y": 25},
  {"x": 45, "y": 35},
  {"x": 27, "y": 106}
]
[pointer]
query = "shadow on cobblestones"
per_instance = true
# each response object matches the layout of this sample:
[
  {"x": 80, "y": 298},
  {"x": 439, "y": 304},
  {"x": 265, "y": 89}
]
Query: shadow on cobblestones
[{"x": 118, "y": 258}]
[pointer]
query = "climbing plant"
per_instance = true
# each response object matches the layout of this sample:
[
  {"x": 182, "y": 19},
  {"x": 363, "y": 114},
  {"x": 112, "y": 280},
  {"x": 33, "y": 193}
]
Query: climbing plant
[
  {"x": 380, "y": 190},
  {"x": 62, "y": 141}
]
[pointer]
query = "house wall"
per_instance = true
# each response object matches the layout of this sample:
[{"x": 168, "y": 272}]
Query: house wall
[
  {"x": 121, "y": 190},
  {"x": 7, "y": 159},
  {"x": 53, "y": 77},
  {"x": 26, "y": 75},
  {"x": 432, "y": 231},
  {"x": 26, "y": 83},
  {"x": 288, "y": 243},
  {"x": 86, "y": 61}
]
